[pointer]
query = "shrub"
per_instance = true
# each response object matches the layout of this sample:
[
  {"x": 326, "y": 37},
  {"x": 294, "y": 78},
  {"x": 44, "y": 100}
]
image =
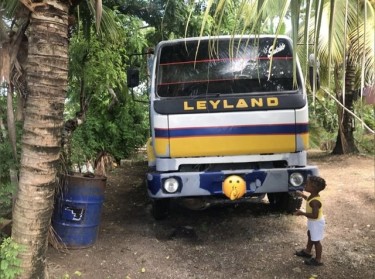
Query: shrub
[{"x": 9, "y": 263}]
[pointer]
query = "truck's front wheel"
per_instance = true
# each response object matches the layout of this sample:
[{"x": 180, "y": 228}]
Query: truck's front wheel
[
  {"x": 160, "y": 208},
  {"x": 284, "y": 202}
]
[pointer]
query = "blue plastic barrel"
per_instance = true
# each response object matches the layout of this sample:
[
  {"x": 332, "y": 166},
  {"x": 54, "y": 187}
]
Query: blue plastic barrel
[{"x": 77, "y": 211}]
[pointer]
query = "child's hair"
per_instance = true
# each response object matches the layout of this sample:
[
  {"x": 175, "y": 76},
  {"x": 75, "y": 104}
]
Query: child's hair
[{"x": 318, "y": 182}]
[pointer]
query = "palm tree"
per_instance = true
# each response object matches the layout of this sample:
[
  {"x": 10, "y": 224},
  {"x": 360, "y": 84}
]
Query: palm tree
[
  {"x": 46, "y": 82},
  {"x": 346, "y": 48},
  {"x": 47, "y": 77}
]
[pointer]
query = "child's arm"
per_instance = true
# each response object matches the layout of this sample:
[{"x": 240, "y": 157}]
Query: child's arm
[{"x": 301, "y": 194}]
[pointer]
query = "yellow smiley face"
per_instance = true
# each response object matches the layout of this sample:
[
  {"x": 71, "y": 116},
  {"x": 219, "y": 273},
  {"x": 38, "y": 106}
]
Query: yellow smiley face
[{"x": 234, "y": 187}]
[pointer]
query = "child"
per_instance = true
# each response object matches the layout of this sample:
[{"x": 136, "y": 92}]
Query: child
[{"x": 315, "y": 220}]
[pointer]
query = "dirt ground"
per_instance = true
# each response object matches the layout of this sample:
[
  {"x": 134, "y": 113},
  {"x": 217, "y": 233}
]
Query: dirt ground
[{"x": 244, "y": 241}]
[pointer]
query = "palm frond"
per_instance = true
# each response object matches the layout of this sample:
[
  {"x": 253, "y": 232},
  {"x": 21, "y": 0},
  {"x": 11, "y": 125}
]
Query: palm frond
[
  {"x": 98, "y": 13},
  {"x": 205, "y": 17},
  {"x": 363, "y": 48},
  {"x": 364, "y": 53},
  {"x": 9, "y": 7},
  {"x": 295, "y": 10},
  {"x": 306, "y": 34},
  {"x": 218, "y": 15},
  {"x": 105, "y": 22},
  {"x": 344, "y": 56},
  {"x": 330, "y": 31},
  {"x": 7, "y": 11}
]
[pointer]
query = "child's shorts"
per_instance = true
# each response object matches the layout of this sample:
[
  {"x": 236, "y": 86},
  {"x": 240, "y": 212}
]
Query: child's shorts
[{"x": 316, "y": 228}]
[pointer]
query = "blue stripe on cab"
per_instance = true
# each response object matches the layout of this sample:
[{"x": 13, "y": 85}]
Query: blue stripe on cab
[
  {"x": 302, "y": 128},
  {"x": 282, "y": 129},
  {"x": 161, "y": 133}
]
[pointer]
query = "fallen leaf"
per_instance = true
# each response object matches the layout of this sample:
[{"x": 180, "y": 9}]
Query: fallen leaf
[{"x": 297, "y": 269}]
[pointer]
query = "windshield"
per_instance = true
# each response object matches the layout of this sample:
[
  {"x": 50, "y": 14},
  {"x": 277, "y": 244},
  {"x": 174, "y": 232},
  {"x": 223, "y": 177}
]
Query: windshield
[{"x": 225, "y": 66}]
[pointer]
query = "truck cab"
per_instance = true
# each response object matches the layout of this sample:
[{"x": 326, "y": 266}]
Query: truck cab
[{"x": 229, "y": 121}]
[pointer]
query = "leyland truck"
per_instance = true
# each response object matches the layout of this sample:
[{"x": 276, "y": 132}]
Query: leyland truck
[{"x": 229, "y": 121}]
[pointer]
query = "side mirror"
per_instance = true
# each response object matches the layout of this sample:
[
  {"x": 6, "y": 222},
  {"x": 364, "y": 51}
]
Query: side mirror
[{"x": 132, "y": 77}]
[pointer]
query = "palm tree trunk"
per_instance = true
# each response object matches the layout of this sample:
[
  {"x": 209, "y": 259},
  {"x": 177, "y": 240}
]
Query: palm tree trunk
[
  {"x": 345, "y": 143},
  {"x": 47, "y": 82}
]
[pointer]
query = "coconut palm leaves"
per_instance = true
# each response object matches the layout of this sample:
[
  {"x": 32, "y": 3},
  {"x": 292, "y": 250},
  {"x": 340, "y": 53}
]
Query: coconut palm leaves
[
  {"x": 346, "y": 49},
  {"x": 348, "y": 30},
  {"x": 330, "y": 26}
]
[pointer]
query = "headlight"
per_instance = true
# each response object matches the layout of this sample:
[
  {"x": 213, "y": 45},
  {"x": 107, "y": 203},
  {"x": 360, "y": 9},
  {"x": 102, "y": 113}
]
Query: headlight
[
  {"x": 296, "y": 179},
  {"x": 171, "y": 185}
]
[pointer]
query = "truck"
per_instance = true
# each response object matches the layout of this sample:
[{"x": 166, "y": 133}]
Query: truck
[{"x": 228, "y": 121}]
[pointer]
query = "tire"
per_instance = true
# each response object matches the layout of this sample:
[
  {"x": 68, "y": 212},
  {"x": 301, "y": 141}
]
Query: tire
[
  {"x": 160, "y": 208},
  {"x": 284, "y": 202}
]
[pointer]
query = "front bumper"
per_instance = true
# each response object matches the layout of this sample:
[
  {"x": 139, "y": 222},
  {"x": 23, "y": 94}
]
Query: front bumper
[{"x": 199, "y": 184}]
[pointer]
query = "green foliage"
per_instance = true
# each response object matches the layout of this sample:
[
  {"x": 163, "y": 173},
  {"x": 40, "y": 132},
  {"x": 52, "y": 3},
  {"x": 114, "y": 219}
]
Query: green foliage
[
  {"x": 367, "y": 113},
  {"x": 5, "y": 147},
  {"x": 95, "y": 66},
  {"x": 117, "y": 132},
  {"x": 113, "y": 122},
  {"x": 324, "y": 124},
  {"x": 6, "y": 191},
  {"x": 9, "y": 263},
  {"x": 323, "y": 121},
  {"x": 7, "y": 161},
  {"x": 98, "y": 63},
  {"x": 364, "y": 138}
]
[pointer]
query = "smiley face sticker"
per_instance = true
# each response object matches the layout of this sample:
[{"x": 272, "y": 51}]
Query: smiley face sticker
[{"x": 234, "y": 187}]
